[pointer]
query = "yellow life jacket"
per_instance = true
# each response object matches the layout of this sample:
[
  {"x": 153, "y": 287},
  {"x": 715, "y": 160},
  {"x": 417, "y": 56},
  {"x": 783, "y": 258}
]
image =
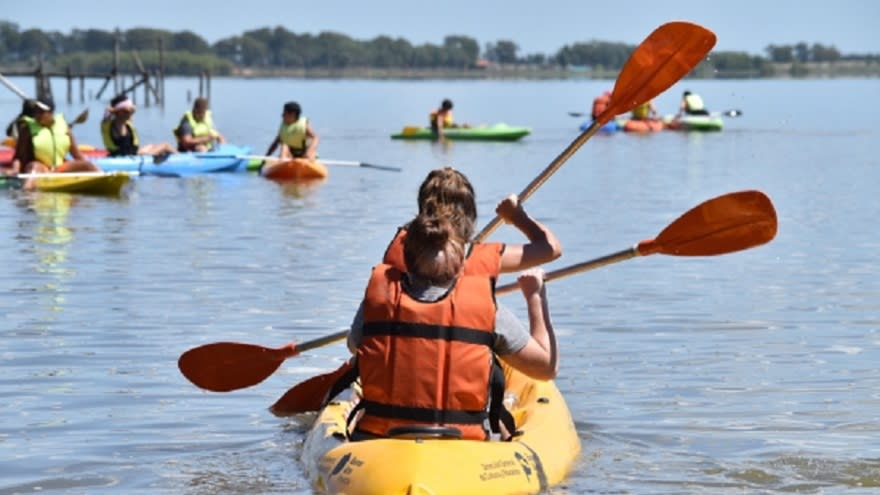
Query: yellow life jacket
[
  {"x": 199, "y": 129},
  {"x": 447, "y": 117},
  {"x": 107, "y": 135},
  {"x": 694, "y": 103},
  {"x": 294, "y": 135},
  {"x": 51, "y": 144},
  {"x": 642, "y": 111}
]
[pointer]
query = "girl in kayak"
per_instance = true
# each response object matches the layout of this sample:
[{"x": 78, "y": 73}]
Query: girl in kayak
[
  {"x": 121, "y": 137},
  {"x": 427, "y": 337},
  {"x": 44, "y": 142},
  {"x": 448, "y": 195},
  {"x": 441, "y": 118}
]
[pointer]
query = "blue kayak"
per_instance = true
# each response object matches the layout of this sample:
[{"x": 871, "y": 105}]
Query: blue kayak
[
  {"x": 226, "y": 158},
  {"x": 611, "y": 126}
]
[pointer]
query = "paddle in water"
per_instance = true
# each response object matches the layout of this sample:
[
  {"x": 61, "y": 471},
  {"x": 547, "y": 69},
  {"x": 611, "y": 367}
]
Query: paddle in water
[
  {"x": 667, "y": 54},
  {"x": 726, "y": 224},
  {"x": 226, "y": 366}
]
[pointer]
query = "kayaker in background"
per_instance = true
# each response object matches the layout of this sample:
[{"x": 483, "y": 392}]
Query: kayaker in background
[
  {"x": 120, "y": 135},
  {"x": 692, "y": 104},
  {"x": 44, "y": 142},
  {"x": 600, "y": 103},
  {"x": 431, "y": 332},
  {"x": 295, "y": 135},
  {"x": 441, "y": 118},
  {"x": 645, "y": 111},
  {"x": 196, "y": 131}
]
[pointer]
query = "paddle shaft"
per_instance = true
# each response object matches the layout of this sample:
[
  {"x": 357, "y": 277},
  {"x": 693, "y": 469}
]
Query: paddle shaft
[
  {"x": 342, "y": 163},
  {"x": 13, "y": 87},
  {"x": 571, "y": 149},
  {"x": 504, "y": 289},
  {"x": 321, "y": 341},
  {"x": 622, "y": 255}
]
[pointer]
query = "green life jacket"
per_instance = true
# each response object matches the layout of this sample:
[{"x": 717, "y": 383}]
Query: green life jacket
[
  {"x": 294, "y": 135},
  {"x": 203, "y": 128},
  {"x": 107, "y": 136},
  {"x": 51, "y": 144}
]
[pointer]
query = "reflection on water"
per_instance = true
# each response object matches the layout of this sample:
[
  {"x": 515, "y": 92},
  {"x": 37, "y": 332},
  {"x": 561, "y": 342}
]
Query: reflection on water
[{"x": 52, "y": 241}]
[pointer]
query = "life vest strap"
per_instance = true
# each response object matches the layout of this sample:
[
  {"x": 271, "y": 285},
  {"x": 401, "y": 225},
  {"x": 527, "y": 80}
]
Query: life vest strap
[
  {"x": 421, "y": 330},
  {"x": 423, "y": 414}
]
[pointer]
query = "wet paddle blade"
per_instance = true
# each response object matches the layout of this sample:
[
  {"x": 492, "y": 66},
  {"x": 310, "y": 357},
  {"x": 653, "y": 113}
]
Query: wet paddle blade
[
  {"x": 669, "y": 53},
  {"x": 225, "y": 366},
  {"x": 721, "y": 225},
  {"x": 308, "y": 395}
]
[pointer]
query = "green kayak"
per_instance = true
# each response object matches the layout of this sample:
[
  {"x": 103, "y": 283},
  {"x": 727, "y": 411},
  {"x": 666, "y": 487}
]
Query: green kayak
[
  {"x": 694, "y": 122},
  {"x": 497, "y": 132}
]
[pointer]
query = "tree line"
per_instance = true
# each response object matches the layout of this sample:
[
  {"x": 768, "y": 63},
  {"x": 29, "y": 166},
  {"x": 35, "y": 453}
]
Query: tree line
[{"x": 91, "y": 51}]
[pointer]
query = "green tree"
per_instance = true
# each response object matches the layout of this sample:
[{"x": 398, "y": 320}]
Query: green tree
[
  {"x": 33, "y": 43},
  {"x": 780, "y": 53},
  {"x": 189, "y": 41},
  {"x": 502, "y": 52}
]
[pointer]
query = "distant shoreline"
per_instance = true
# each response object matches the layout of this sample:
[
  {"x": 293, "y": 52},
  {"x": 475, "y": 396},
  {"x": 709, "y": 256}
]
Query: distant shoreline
[{"x": 780, "y": 71}]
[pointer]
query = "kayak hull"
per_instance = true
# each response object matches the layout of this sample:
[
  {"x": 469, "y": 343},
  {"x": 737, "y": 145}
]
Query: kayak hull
[
  {"x": 296, "y": 169},
  {"x": 497, "y": 132},
  {"x": 103, "y": 184},
  {"x": 642, "y": 126},
  {"x": 700, "y": 123},
  {"x": 227, "y": 158},
  {"x": 612, "y": 126},
  {"x": 532, "y": 462}
]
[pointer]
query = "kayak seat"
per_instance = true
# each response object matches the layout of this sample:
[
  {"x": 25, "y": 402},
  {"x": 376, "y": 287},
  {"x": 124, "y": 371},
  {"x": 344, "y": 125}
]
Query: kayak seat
[{"x": 417, "y": 431}]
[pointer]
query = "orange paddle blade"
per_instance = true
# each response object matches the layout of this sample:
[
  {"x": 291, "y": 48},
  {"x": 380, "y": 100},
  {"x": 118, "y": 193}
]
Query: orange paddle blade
[
  {"x": 308, "y": 395},
  {"x": 667, "y": 54},
  {"x": 225, "y": 366},
  {"x": 728, "y": 223}
]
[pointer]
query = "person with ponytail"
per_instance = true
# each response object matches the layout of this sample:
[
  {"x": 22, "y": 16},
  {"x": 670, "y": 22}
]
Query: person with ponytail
[{"x": 425, "y": 338}]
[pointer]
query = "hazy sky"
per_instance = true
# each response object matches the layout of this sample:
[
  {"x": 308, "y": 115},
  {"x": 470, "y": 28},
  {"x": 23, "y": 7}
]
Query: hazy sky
[{"x": 536, "y": 26}]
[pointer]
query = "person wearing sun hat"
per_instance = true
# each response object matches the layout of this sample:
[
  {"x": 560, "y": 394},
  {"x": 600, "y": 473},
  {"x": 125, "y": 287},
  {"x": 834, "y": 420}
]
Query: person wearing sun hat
[
  {"x": 120, "y": 135},
  {"x": 44, "y": 142}
]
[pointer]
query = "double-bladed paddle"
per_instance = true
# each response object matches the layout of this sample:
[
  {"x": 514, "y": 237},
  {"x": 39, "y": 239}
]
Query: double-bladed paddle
[
  {"x": 726, "y": 113},
  {"x": 726, "y": 224},
  {"x": 665, "y": 56}
]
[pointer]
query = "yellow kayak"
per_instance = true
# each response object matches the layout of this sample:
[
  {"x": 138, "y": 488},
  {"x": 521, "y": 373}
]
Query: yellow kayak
[
  {"x": 100, "y": 183},
  {"x": 535, "y": 460}
]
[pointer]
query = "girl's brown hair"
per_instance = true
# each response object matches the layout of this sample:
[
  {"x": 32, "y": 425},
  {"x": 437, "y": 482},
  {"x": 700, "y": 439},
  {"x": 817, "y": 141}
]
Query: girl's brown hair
[
  {"x": 447, "y": 191},
  {"x": 433, "y": 249}
]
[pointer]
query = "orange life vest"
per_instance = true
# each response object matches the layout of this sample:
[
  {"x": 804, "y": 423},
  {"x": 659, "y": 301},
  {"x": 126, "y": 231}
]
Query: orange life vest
[
  {"x": 484, "y": 258},
  {"x": 426, "y": 364}
]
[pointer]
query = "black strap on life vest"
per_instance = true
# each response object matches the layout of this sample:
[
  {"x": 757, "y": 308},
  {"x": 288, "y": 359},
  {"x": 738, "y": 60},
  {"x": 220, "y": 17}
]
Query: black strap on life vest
[
  {"x": 498, "y": 414},
  {"x": 426, "y": 331},
  {"x": 342, "y": 383}
]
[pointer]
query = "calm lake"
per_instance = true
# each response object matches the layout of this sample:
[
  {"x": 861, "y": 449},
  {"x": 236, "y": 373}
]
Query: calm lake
[{"x": 752, "y": 372}]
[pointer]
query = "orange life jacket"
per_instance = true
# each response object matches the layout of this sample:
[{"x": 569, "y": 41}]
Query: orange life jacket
[
  {"x": 426, "y": 364},
  {"x": 484, "y": 258}
]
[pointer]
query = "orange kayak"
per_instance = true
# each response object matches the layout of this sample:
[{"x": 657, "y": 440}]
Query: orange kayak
[{"x": 296, "y": 169}]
